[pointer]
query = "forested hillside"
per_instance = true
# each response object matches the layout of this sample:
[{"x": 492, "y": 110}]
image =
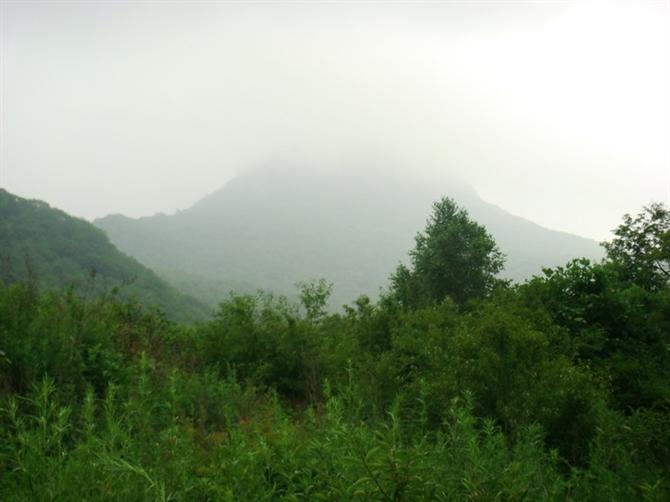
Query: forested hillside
[
  {"x": 44, "y": 245},
  {"x": 270, "y": 228},
  {"x": 454, "y": 385}
]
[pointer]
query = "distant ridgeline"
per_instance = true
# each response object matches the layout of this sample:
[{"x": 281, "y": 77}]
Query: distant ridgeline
[
  {"x": 270, "y": 228},
  {"x": 44, "y": 245}
]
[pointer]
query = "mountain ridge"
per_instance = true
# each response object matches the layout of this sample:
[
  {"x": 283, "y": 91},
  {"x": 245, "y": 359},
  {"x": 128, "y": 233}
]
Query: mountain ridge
[
  {"x": 59, "y": 250},
  {"x": 269, "y": 229}
]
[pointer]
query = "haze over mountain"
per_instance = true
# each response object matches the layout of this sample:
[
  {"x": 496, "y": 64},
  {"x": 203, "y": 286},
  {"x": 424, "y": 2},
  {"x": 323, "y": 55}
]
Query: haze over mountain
[
  {"x": 270, "y": 228},
  {"x": 533, "y": 102},
  {"x": 45, "y": 245}
]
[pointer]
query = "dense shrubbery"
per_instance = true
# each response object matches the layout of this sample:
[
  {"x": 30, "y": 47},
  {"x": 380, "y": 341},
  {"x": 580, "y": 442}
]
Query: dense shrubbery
[{"x": 555, "y": 389}]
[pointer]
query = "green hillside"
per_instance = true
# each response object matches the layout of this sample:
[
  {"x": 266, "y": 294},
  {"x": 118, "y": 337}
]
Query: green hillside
[
  {"x": 271, "y": 228},
  {"x": 46, "y": 246}
]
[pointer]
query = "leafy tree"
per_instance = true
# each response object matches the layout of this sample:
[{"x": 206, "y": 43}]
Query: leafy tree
[
  {"x": 314, "y": 297},
  {"x": 520, "y": 375},
  {"x": 642, "y": 246},
  {"x": 454, "y": 257},
  {"x": 617, "y": 327}
]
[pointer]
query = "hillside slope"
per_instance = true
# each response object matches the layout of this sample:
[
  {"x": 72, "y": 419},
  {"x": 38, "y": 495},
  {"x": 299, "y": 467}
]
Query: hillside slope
[
  {"x": 58, "y": 250},
  {"x": 271, "y": 228}
]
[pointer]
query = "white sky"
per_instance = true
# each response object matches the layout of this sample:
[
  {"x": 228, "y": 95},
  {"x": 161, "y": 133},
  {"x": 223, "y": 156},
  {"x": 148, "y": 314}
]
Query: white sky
[{"x": 557, "y": 111}]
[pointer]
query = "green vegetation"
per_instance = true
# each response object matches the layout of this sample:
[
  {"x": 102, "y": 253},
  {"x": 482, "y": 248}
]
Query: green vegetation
[
  {"x": 556, "y": 389},
  {"x": 44, "y": 245},
  {"x": 455, "y": 258}
]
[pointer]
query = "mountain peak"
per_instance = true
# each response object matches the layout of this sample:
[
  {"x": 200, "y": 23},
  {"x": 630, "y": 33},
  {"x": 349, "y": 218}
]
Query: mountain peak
[{"x": 269, "y": 228}]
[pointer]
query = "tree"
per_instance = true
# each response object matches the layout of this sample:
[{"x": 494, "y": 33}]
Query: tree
[
  {"x": 454, "y": 257},
  {"x": 314, "y": 297},
  {"x": 642, "y": 246},
  {"x": 616, "y": 327}
]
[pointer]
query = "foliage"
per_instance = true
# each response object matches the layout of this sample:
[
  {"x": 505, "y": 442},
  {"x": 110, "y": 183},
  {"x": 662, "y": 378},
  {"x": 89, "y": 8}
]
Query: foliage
[
  {"x": 619, "y": 329},
  {"x": 557, "y": 389},
  {"x": 314, "y": 297},
  {"x": 454, "y": 257},
  {"x": 642, "y": 246}
]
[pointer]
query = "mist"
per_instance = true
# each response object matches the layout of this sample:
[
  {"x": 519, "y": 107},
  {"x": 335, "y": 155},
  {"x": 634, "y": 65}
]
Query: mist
[{"x": 556, "y": 111}]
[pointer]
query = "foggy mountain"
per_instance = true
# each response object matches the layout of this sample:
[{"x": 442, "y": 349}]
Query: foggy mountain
[
  {"x": 60, "y": 251},
  {"x": 271, "y": 228}
]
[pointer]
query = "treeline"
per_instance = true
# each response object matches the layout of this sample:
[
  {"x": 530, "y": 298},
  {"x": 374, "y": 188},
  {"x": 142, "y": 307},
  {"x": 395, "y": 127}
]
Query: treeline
[{"x": 455, "y": 385}]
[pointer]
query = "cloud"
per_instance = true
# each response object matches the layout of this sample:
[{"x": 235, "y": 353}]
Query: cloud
[{"x": 558, "y": 112}]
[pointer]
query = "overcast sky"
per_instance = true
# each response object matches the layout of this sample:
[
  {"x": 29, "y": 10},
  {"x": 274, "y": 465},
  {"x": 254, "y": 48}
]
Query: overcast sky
[{"x": 556, "y": 111}]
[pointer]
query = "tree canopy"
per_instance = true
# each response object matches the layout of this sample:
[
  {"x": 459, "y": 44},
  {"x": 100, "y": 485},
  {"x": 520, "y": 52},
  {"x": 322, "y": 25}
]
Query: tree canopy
[
  {"x": 642, "y": 245},
  {"x": 454, "y": 257}
]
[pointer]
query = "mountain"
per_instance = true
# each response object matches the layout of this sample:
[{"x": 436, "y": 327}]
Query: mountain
[
  {"x": 270, "y": 228},
  {"x": 57, "y": 250}
]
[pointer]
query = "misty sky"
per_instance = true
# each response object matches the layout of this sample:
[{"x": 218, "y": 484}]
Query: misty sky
[{"x": 556, "y": 111}]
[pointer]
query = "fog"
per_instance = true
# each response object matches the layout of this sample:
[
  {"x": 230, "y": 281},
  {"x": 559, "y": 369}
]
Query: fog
[{"x": 555, "y": 111}]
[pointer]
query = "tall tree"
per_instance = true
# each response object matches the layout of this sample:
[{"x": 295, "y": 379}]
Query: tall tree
[{"x": 454, "y": 257}]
